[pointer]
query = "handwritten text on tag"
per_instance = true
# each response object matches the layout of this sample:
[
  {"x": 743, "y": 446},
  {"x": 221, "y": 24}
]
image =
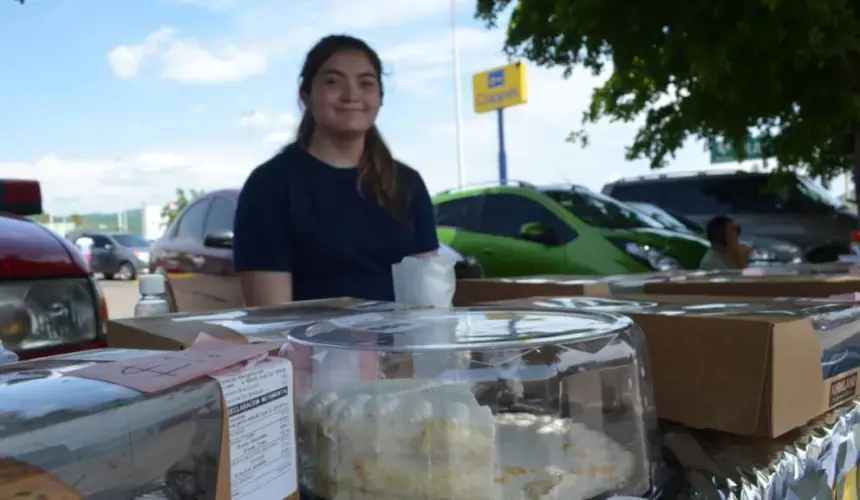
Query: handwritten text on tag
[{"x": 161, "y": 371}]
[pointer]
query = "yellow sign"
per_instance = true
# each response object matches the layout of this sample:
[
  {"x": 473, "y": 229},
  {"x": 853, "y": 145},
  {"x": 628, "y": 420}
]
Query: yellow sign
[{"x": 500, "y": 88}]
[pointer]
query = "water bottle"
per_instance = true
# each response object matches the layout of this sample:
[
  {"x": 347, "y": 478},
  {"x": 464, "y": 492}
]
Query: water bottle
[
  {"x": 7, "y": 356},
  {"x": 153, "y": 296}
]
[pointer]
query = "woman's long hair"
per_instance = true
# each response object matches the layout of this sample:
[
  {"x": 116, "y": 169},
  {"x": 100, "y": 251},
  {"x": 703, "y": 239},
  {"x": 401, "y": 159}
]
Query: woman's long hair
[{"x": 378, "y": 172}]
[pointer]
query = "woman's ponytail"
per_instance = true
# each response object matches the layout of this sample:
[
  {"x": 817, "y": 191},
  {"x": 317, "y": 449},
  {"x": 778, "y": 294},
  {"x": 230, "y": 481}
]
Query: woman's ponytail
[{"x": 378, "y": 171}]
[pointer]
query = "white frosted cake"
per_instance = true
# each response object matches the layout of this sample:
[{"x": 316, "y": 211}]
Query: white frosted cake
[{"x": 430, "y": 440}]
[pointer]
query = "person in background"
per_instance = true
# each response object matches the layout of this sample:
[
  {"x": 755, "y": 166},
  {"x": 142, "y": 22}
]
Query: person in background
[
  {"x": 329, "y": 215},
  {"x": 726, "y": 251}
]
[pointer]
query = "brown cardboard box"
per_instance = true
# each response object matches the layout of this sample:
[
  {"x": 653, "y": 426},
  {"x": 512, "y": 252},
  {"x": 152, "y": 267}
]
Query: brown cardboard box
[
  {"x": 475, "y": 291},
  {"x": 247, "y": 325},
  {"x": 763, "y": 286},
  {"x": 749, "y": 375}
]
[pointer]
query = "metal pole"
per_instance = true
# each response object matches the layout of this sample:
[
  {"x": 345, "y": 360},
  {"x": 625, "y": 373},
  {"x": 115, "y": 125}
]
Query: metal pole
[
  {"x": 458, "y": 105},
  {"x": 503, "y": 157}
]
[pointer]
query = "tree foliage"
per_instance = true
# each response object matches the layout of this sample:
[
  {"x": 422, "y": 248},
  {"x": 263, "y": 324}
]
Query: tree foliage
[
  {"x": 786, "y": 69},
  {"x": 171, "y": 210}
]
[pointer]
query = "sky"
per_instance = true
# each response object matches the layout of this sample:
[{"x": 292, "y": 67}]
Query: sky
[{"x": 112, "y": 105}]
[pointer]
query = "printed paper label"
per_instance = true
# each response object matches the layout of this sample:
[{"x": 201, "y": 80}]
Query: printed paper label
[{"x": 259, "y": 402}]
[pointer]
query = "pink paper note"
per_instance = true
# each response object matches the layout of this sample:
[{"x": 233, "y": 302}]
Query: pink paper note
[
  {"x": 161, "y": 371},
  {"x": 753, "y": 271}
]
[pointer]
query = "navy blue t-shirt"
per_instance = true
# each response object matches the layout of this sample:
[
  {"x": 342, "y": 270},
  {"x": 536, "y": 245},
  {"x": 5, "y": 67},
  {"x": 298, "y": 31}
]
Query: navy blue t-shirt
[{"x": 299, "y": 215}]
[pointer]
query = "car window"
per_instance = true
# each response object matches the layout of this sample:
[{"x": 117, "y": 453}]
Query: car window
[
  {"x": 130, "y": 240},
  {"x": 462, "y": 213},
  {"x": 601, "y": 211},
  {"x": 505, "y": 215},
  {"x": 663, "y": 217},
  {"x": 191, "y": 221},
  {"x": 100, "y": 241},
  {"x": 220, "y": 216},
  {"x": 707, "y": 195}
]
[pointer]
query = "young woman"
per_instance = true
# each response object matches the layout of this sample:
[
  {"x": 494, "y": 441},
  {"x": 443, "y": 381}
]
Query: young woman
[{"x": 330, "y": 214}]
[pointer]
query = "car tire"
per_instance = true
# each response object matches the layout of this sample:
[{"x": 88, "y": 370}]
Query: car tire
[{"x": 125, "y": 272}]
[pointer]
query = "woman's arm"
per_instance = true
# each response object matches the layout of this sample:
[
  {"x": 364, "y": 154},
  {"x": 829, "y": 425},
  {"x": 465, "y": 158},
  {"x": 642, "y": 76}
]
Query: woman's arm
[
  {"x": 261, "y": 250},
  {"x": 423, "y": 220}
]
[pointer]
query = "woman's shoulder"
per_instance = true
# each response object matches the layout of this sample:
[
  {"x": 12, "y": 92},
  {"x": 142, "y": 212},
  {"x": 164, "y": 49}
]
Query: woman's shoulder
[
  {"x": 408, "y": 175},
  {"x": 279, "y": 167}
]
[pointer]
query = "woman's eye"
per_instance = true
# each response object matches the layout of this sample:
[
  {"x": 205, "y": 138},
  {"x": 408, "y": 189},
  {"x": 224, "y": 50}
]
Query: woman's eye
[{"x": 368, "y": 84}]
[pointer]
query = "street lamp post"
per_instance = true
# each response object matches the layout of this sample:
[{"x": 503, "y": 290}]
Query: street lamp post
[{"x": 458, "y": 105}]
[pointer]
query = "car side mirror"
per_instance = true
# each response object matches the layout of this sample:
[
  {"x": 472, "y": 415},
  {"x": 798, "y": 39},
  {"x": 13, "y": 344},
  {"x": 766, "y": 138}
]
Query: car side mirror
[
  {"x": 108, "y": 246},
  {"x": 538, "y": 233},
  {"x": 221, "y": 239}
]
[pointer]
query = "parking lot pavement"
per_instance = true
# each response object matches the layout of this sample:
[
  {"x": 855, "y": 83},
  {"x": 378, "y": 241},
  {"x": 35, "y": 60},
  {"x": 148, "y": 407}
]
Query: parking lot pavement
[{"x": 121, "y": 297}]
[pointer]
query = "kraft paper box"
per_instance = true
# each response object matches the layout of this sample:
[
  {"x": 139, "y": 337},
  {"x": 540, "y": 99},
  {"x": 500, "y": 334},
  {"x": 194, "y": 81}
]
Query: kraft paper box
[
  {"x": 747, "y": 375},
  {"x": 476, "y": 291},
  {"x": 763, "y": 286},
  {"x": 243, "y": 325},
  {"x": 269, "y": 325}
]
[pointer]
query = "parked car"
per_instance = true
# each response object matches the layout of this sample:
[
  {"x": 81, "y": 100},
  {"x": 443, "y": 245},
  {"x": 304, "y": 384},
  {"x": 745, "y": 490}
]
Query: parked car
[
  {"x": 764, "y": 250},
  {"x": 520, "y": 229},
  {"x": 196, "y": 252},
  {"x": 120, "y": 256},
  {"x": 798, "y": 211},
  {"x": 49, "y": 302}
]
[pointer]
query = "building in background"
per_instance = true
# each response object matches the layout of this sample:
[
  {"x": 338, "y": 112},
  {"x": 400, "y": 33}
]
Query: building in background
[{"x": 152, "y": 223}]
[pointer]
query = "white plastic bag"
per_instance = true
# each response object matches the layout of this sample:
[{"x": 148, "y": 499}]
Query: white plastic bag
[{"x": 425, "y": 281}]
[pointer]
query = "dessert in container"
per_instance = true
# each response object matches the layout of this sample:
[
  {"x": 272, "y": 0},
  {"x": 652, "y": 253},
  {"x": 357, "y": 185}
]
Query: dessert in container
[{"x": 482, "y": 403}]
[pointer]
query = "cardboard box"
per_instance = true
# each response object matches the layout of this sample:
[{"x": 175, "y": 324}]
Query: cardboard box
[
  {"x": 476, "y": 291},
  {"x": 269, "y": 325},
  {"x": 177, "y": 331},
  {"x": 764, "y": 286},
  {"x": 748, "y": 375}
]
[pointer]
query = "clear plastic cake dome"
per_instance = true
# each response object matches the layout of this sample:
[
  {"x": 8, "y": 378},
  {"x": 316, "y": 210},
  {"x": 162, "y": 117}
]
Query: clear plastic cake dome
[{"x": 484, "y": 403}]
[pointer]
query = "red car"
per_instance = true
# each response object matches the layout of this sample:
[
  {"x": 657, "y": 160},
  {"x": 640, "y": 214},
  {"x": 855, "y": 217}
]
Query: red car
[
  {"x": 49, "y": 301},
  {"x": 196, "y": 252}
]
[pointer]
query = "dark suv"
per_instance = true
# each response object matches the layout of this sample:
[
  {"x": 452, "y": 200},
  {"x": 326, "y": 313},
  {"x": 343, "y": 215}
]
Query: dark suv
[{"x": 798, "y": 211}]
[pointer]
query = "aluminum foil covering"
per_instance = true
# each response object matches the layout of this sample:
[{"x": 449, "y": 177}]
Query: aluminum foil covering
[
  {"x": 104, "y": 441},
  {"x": 816, "y": 462}
]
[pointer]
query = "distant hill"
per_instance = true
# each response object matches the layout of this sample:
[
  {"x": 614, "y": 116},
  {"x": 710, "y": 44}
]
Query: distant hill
[{"x": 103, "y": 221}]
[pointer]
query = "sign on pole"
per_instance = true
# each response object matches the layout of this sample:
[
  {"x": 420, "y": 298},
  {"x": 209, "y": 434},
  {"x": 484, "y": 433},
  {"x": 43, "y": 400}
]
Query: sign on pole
[
  {"x": 721, "y": 152},
  {"x": 500, "y": 88}
]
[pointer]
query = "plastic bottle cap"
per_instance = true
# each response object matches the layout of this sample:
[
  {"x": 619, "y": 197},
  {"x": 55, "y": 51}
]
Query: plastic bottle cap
[{"x": 151, "y": 284}]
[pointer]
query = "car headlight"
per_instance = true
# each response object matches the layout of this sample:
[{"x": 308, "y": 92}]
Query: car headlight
[
  {"x": 142, "y": 256},
  {"x": 47, "y": 313},
  {"x": 651, "y": 256}
]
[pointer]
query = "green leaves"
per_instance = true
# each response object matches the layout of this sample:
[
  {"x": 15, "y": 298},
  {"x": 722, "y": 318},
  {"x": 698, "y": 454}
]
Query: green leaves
[{"x": 788, "y": 70}]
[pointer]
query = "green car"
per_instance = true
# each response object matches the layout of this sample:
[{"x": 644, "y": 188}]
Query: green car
[{"x": 520, "y": 229}]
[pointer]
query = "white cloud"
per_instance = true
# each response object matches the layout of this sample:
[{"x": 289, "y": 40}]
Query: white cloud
[
  {"x": 83, "y": 185},
  {"x": 186, "y": 60},
  {"x": 125, "y": 60},
  {"x": 261, "y": 119},
  {"x": 279, "y": 138}
]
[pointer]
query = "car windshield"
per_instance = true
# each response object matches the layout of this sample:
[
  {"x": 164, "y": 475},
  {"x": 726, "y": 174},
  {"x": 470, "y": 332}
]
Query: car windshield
[
  {"x": 663, "y": 217},
  {"x": 601, "y": 211},
  {"x": 817, "y": 193},
  {"x": 130, "y": 240}
]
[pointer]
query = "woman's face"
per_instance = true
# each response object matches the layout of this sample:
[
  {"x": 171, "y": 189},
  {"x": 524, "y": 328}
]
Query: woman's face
[
  {"x": 345, "y": 94},
  {"x": 733, "y": 233}
]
